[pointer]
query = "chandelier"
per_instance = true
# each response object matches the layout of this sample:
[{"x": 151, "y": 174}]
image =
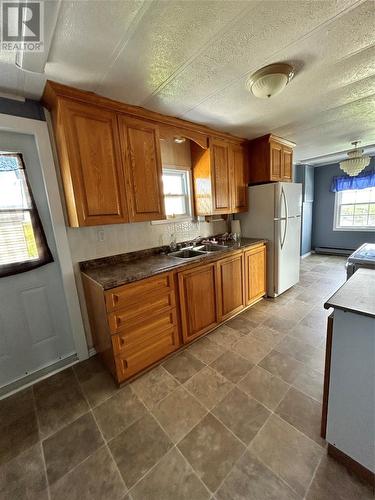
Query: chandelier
[{"x": 355, "y": 162}]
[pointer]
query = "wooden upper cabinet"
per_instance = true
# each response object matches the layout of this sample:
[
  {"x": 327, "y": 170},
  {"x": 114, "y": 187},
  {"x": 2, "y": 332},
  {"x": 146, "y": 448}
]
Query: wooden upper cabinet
[
  {"x": 255, "y": 274},
  {"x": 276, "y": 160},
  {"x": 270, "y": 160},
  {"x": 239, "y": 178},
  {"x": 221, "y": 188},
  {"x": 198, "y": 300},
  {"x": 230, "y": 285},
  {"x": 91, "y": 165},
  {"x": 111, "y": 165},
  {"x": 287, "y": 163},
  {"x": 220, "y": 178},
  {"x": 140, "y": 144}
]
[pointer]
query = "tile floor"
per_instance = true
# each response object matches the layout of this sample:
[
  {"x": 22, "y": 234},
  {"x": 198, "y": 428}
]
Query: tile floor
[{"x": 234, "y": 416}]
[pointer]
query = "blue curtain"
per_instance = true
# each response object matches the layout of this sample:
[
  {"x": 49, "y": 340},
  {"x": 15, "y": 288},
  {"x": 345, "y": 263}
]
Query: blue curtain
[{"x": 344, "y": 183}]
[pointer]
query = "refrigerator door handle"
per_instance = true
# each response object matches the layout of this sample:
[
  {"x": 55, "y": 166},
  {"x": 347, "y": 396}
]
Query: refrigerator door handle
[
  {"x": 283, "y": 197},
  {"x": 285, "y": 231}
]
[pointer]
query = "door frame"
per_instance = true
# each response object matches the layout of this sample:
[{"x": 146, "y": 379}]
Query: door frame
[{"x": 39, "y": 130}]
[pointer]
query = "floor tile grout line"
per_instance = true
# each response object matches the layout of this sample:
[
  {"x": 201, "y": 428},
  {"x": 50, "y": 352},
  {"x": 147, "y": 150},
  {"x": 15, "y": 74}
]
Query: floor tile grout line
[
  {"x": 101, "y": 433},
  {"x": 313, "y": 477},
  {"x": 40, "y": 442},
  {"x": 239, "y": 458},
  {"x": 91, "y": 406},
  {"x": 109, "y": 451},
  {"x": 104, "y": 445}
]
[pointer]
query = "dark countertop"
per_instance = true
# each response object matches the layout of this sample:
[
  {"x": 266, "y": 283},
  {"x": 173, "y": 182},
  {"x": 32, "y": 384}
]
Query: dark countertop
[
  {"x": 356, "y": 295},
  {"x": 110, "y": 272}
]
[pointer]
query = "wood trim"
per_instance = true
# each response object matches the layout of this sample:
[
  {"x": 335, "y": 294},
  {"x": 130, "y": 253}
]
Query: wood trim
[
  {"x": 352, "y": 465},
  {"x": 53, "y": 90},
  {"x": 96, "y": 309},
  {"x": 169, "y": 132},
  {"x": 276, "y": 138},
  {"x": 327, "y": 375}
]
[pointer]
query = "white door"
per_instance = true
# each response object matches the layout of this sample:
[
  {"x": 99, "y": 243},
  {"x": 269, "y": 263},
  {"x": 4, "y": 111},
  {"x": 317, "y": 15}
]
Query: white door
[
  {"x": 287, "y": 253},
  {"x": 35, "y": 330}
]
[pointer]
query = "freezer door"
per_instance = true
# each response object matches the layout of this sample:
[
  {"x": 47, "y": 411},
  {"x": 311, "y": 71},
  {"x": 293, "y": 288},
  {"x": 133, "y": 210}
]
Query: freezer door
[
  {"x": 288, "y": 199},
  {"x": 287, "y": 253}
]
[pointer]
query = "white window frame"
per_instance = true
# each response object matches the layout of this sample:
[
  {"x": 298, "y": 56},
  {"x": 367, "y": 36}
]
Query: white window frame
[
  {"x": 189, "y": 198},
  {"x": 336, "y": 218}
]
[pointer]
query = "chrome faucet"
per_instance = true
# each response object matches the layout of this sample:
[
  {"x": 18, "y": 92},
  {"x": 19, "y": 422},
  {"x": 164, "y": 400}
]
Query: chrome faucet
[
  {"x": 173, "y": 243},
  {"x": 195, "y": 240}
]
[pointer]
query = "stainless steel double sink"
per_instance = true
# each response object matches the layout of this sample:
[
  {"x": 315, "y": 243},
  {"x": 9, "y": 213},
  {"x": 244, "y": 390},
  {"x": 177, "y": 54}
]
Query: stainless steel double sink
[{"x": 198, "y": 251}]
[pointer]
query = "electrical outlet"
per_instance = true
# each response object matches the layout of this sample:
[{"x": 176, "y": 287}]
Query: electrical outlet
[{"x": 101, "y": 235}]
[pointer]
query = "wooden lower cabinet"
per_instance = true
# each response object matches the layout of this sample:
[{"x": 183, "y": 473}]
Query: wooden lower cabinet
[
  {"x": 198, "y": 301},
  {"x": 138, "y": 324},
  {"x": 144, "y": 342},
  {"x": 133, "y": 325},
  {"x": 255, "y": 274},
  {"x": 230, "y": 286}
]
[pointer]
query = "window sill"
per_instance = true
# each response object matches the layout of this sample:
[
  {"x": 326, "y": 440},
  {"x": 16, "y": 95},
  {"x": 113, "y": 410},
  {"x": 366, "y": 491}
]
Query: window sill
[
  {"x": 355, "y": 229},
  {"x": 172, "y": 221}
]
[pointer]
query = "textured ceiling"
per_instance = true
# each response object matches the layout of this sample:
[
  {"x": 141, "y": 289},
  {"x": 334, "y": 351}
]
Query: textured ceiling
[{"x": 191, "y": 58}]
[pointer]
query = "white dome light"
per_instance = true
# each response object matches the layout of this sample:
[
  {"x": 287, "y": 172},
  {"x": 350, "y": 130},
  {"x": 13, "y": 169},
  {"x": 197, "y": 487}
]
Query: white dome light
[{"x": 270, "y": 80}]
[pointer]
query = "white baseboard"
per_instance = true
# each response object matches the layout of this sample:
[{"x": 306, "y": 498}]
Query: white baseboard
[
  {"x": 305, "y": 255},
  {"x": 92, "y": 352},
  {"x": 37, "y": 376}
]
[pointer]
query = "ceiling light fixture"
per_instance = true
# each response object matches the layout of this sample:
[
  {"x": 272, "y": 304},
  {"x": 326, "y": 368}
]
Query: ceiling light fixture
[
  {"x": 270, "y": 80},
  {"x": 356, "y": 162}
]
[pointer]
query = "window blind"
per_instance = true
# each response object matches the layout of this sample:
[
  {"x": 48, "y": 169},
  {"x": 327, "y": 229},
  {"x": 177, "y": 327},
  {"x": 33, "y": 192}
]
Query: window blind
[{"x": 23, "y": 245}]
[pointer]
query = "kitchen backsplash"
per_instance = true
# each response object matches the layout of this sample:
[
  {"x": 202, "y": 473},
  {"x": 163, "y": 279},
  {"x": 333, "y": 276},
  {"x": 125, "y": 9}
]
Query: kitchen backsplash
[{"x": 101, "y": 241}]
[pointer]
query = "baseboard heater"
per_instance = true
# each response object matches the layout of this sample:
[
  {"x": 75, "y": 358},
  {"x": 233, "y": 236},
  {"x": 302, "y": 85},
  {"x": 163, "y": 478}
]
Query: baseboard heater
[{"x": 333, "y": 251}]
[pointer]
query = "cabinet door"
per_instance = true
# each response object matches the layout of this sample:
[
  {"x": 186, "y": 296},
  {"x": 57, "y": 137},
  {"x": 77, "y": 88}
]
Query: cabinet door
[
  {"x": 276, "y": 160},
  {"x": 141, "y": 155},
  {"x": 239, "y": 179},
  {"x": 198, "y": 301},
  {"x": 255, "y": 273},
  {"x": 230, "y": 281},
  {"x": 287, "y": 164},
  {"x": 221, "y": 184},
  {"x": 91, "y": 165}
]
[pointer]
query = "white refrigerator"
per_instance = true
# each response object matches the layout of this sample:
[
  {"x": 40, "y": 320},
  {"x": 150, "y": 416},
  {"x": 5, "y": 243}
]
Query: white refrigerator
[{"x": 275, "y": 214}]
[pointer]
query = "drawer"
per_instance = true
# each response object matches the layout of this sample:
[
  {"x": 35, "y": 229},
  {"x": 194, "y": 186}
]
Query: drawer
[
  {"x": 144, "y": 310},
  {"x": 143, "y": 332},
  {"x": 134, "y": 361},
  {"x": 133, "y": 293}
]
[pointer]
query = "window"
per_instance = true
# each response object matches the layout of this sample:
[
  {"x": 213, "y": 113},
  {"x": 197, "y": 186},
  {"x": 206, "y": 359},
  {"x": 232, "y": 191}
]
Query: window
[
  {"x": 23, "y": 244},
  {"x": 355, "y": 210},
  {"x": 176, "y": 185}
]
